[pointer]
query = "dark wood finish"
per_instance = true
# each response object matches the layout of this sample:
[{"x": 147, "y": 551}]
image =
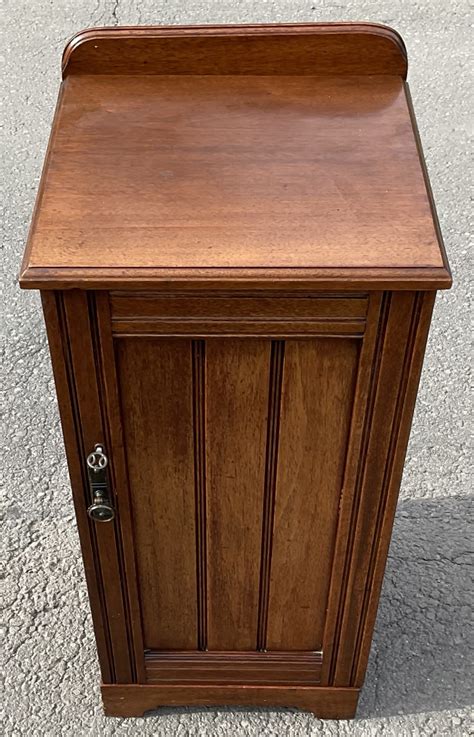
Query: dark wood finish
[
  {"x": 157, "y": 314},
  {"x": 53, "y": 310},
  {"x": 317, "y": 402},
  {"x": 277, "y": 363},
  {"x": 134, "y": 306},
  {"x": 296, "y": 280},
  {"x": 243, "y": 667},
  {"x": 325, "y": 703},
  {"x": 360, "y": 418},
  {"x": 72, "y": 331},
  {"x": 119, "y": 469},
  {"x": 236, "y": 407},
  {"x": 131, "y": 196},
  {"x": 429, "y": 190},
  {"x": 297, "y": 49},
  {"x": 200, "y": 485},
  {"x": 81, "y": 328},
  {"x": 225, "y": 371},
  {"x": 155, "y": 380},
  {"x": 397, "y": 329},
  {"x": 246, "y": 344},
  {"x": 413, "y": 364},
  {"x": 404, "y": 334}
]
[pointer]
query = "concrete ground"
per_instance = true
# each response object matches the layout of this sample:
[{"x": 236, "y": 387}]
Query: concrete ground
[{"x": 419, "y": 679}]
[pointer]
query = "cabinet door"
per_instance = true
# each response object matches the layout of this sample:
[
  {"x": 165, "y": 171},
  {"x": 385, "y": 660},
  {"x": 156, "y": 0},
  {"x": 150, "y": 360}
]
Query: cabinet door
[
  {"x": 235, "y": 452},
  {"x": 228, "y": 431}
]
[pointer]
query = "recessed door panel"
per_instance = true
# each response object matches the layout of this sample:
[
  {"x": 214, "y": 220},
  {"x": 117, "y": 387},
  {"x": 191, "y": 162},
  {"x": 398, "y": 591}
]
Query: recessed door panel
[
  {"x": 316, "y": 406},
  {"x": 155, "y": 378},
  {"x": 237, "y": 374},
  {"x": 235, "y": 451}
]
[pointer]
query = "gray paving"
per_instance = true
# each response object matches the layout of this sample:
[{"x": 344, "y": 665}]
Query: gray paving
[{"x": 420, "y": 669}]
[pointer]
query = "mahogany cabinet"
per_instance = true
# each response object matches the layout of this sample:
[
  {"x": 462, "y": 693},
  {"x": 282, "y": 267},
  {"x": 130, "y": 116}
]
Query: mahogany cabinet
[{"x": 238, "y": 256}]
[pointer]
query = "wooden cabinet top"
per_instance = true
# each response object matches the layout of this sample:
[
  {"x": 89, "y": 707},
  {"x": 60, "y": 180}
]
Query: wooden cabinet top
[{"x": 238, "y": 155}]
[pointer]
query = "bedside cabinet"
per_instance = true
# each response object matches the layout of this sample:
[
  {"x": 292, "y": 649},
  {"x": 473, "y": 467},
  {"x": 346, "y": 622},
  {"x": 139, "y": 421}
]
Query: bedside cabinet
[{"x": 238, "y": 255}]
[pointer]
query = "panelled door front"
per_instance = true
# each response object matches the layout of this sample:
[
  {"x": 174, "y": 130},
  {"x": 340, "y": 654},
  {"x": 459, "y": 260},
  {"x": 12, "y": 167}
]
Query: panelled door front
[{"x": 229, "y": 428}]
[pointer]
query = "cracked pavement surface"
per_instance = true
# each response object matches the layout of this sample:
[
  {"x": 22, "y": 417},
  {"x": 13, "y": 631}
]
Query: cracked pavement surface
[{"x": 420, "y": 674}]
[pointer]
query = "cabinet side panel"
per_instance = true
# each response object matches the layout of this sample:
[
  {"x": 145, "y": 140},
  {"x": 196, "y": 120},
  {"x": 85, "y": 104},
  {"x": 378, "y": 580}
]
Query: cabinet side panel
[
  {"x": 402, "y": 335},
  {"x": 237, "y": 374},
  {"x": 318, "y": 391},
  {"x": 155, "y": 378},
  {"x": 412, "y": 371}
]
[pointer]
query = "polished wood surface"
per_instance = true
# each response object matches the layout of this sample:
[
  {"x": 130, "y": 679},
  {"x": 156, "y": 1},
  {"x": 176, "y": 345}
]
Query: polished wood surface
[
  {"x": 235, "y": 173},
  {"x": 155, "y": 386},
  {"x": 238, "y": 276},
  {"x": 311, "y": 48},
  {"x": 402, "y": 333},
  {"x": 238, "y": 388},
  {"x": 198, "y": 177},
  {"x": 325, "y": 703},
  {"x": 317, "y": 403},
  {"x": 238, "y": 314},
  {"x": 243, "y": 667},
  {"x": 53, "y": 311},
  {"x": 262, "y": 476},
  {"x": 236, "y": 406},
  {"x": 72, "y": 335}
]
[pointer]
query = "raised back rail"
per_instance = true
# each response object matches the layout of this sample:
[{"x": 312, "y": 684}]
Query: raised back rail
[{"x": 283, "y": 49}]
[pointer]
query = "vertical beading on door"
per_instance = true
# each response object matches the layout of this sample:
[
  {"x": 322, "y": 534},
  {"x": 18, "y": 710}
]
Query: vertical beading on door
[
  {"x": 271, "y": 460},
  {"x": 199, "y": 388}
]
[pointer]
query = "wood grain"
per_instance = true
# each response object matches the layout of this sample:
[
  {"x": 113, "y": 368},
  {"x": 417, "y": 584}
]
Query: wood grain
[
  {"x": 125, "y": 170},
  {"x": 236, "y": 280},
  {"x": 145, "y": 305},
  {"x": 126, "y": 544},
  {"x": 266, "y": 517},
  {"x": 229, "y": 667},
  {"x": 253, "y": 206},
  {"x": 310, "y": 48},
  {"x": 199, "y": 435},
  {"x": 413, "y": 363},
  {"x": 227, "y": 314},
  {"x": 81, "y": 327},
  {"x": 397, "y": 329},
  {"x": 325, "y": 703},
  {"x": 237, "y": 374},
  {"x": 277, "y": 357},
  {"x": 156, "y": 394},
  {"x": 318, "y": 393},
  {"x": 53, "y": 310},
  {"x": 360, "y": 422}
]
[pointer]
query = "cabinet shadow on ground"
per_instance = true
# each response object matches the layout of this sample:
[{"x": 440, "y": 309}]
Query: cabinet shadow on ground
[{"x": 421, "y": 658}]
